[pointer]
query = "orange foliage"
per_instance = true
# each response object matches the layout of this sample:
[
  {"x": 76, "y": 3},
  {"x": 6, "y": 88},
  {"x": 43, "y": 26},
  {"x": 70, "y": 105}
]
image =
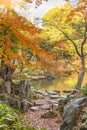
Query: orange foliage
[
  {"x": 81, "y": 8},
  {"x": 14, "y": 24},
  {"x": 18, "y": 26}
]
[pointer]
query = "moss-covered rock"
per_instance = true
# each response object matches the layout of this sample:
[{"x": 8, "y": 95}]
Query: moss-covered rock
[{"x": 34, "y": 95}]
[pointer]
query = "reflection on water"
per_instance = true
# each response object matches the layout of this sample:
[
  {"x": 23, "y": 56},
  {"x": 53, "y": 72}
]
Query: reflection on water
[
  {"x": 61, "y": 83},
  {"x": 56, "y": 84}
]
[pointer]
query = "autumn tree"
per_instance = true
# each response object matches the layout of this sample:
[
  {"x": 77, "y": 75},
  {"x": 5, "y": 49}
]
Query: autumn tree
[
  {"x": 71, "y": 23},
  {"x": 13, "y": 42},
  {"x": 16, "y": 38},
  {"x": 19, "y": 42}
]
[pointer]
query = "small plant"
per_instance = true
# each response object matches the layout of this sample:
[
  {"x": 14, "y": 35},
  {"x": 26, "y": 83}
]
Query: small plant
[
  {"x": 84, "y": 116},
  {"x": 35, "y": 96},
  {"x": 84, "y": 89},
  {"x": 3, "y": 97},
  {"x": 23, "y": 76},
  {"x": 11, "y": 119},
  {"x": 49, "y": 114},
  {"x": 7, "y": 117}
]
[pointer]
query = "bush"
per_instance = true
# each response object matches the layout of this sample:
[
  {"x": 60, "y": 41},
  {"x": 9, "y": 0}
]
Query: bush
[
  {"x": 23, "y": 76},
  {"x": 84, "y": 89},
  {"x": 3, "y": 97},
  {"x": 49, "y": 114},
  {"x": 35, "y": 95}
]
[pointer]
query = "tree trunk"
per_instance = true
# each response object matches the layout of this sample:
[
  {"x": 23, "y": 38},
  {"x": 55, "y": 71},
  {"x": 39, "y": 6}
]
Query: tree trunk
[
  {"x": 22, "y": 67},
  {"x": 6, "y": 72},
  {"x": 80, "y": 79},
  {"x": 81, "y": 74}
]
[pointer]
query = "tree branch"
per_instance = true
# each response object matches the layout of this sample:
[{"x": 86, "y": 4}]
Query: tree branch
[
  {"x": 74, "y": 44},
  {"x": 73, "y": 66},
  {"x": 85, "y": 38},
  {"x": 85, "y": 55}
]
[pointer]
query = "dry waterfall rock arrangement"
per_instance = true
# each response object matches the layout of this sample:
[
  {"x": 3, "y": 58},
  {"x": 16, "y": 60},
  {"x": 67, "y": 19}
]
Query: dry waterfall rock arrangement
[{"x": 18, "y": 95}]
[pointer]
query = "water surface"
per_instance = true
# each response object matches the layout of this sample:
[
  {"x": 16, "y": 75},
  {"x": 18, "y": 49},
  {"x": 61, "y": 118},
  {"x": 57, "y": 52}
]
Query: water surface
[{"x": 60, "y": 83}]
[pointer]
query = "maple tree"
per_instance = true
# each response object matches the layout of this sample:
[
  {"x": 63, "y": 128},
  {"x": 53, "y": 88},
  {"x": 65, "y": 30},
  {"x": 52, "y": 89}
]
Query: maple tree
[
  {"x": 16, "y": 30},
  {"x": 13, "y": 42},
  {"x": 73, "y": 26},
  {"x": 19, "y": 42}
]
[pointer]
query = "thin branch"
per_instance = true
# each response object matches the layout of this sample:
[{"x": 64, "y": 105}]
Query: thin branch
[
  {"x": 85, "y": 55},
  {"x": 85, "y": 38},
  {"x": 73, "y": 66}
]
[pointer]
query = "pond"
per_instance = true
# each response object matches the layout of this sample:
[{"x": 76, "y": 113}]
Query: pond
[{"x": 60, "y": 83}]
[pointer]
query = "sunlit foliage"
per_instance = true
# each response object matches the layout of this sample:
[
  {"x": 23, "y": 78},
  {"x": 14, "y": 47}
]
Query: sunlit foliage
[{"x": 71, "y": 23}]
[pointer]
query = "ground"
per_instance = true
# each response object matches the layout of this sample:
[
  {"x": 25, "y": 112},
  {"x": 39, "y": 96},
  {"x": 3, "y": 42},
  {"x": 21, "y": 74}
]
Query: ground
[{"x": 35, "y": 118}]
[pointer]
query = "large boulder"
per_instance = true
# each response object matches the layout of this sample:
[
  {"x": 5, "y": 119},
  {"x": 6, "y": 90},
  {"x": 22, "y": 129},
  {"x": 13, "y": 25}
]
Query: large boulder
[{"x": 71, "y": 111}]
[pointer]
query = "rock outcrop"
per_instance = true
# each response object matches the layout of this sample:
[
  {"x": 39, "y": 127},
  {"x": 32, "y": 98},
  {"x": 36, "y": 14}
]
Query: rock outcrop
[
  {"x": 18, "y": 95},
  {"x": 71, "y": 111}
]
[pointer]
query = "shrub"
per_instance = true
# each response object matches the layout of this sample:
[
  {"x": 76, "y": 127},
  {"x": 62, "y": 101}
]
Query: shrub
[
  {"x": 49, "y": 114},
  {"x": 23, "y": 76},
  {"x": 3, "y": 97},
  {"x": 84, "y": 89},
  {"x": 35, "y": 95}
]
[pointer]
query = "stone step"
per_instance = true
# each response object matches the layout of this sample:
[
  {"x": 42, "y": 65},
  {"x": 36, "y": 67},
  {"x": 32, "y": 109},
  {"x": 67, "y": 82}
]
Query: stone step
[
  {"x": 34, "y": 108},
  {"x": 54, "y": 96},
  {"x": 45, "y": 107}
]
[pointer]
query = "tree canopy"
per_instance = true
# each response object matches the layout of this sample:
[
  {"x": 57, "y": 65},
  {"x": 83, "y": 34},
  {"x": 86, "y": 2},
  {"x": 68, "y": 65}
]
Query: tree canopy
[{"x": 73, "y": 26}]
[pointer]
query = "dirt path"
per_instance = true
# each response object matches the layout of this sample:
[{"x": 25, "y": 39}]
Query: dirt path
[{"x": 35, "y": 118}]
